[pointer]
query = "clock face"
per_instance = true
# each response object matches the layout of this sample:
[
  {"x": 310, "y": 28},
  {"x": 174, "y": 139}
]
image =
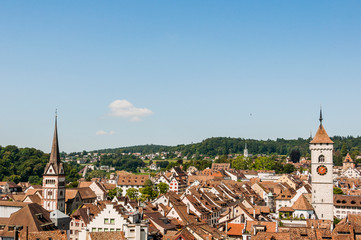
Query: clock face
[{"x": 322, "y": 169}]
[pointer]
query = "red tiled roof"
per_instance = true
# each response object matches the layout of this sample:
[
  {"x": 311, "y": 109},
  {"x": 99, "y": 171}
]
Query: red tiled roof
[
  {"x": 302, "y": 204},
  {"x": 348, "y": 158},
  {"x": 235, "y": 229},
  {"x": 129, "y": 179},
  {"x": 321, "y": 136}
]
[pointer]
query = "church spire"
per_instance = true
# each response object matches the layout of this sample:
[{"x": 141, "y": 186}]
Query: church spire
[
  {"x": 55, "y": 155},
  {"x": 54, "y": 166},
  {"x": 321, "y": 134}
]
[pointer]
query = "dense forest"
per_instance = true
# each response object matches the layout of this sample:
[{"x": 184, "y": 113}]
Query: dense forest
[
  {"x": 27, "y": 164},
  {"x": 222, "y": 146},
  {"x": 122, "y": 162}
]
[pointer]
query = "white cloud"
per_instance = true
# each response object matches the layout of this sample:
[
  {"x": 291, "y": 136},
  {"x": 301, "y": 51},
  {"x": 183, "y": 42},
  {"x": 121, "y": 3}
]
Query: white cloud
[
  {"x": 102, "y": 132},
  {"x": 125, "y": 109}
]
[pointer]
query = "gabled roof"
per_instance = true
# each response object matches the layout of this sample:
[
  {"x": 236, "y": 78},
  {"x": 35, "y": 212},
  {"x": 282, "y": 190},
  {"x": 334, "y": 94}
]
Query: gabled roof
[
  {"x": 321, "y": 136},
  {"x": 348, "y": 158},
  {"x": 302, "y": 204},
  {"x": 33, "y": 216},
  {"x": 85, "y": 184},
  {"x": 70, "y": 194},
  {"x": 33, "y": 199},
  {"x": 160, "y": 220},
  {"x": 83, "y": 214},
  {"x": 86, "y": 193}
]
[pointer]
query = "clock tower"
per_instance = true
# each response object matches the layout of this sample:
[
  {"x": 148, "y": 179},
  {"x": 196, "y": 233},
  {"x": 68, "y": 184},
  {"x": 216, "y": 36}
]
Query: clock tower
[{"x": 321, "y": 148}]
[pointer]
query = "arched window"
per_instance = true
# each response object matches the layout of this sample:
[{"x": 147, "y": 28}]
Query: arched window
[
  {"x": 321, "y": 158},
  {"x": 50, "y": 193}
]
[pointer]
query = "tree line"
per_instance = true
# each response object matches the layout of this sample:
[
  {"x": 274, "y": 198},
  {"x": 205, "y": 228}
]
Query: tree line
[
  {"x": 219, "y": 146},
  {"x": 28, "y": 164}
]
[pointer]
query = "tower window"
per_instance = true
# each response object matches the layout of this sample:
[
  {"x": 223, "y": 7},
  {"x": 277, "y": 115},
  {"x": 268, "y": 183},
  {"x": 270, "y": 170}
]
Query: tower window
[{"x": 321, "y": 158}]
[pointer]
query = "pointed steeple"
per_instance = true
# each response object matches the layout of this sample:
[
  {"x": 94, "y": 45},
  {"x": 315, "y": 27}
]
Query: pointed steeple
[
  {"x": 321, "y": 116},
  {"x": 54, "y": 166},
  {"x": 55, "y": 155}
]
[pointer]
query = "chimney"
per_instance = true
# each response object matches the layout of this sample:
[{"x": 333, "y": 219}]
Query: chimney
[{"x": 254, "y": 213}]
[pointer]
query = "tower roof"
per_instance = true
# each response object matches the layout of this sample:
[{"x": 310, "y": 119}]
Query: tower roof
[
  {"x": 321, "y": 134},
  {"x": 55, "y": 155},
  {"x": 54, "y": 160},
  {"x": 348, "y": 158}
]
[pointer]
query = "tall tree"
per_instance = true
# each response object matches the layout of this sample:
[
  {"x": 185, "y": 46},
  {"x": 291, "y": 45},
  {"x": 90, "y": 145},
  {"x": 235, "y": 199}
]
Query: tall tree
[
  {"x": 295, "y": 155},
  {"x": 344, "y": 150}
]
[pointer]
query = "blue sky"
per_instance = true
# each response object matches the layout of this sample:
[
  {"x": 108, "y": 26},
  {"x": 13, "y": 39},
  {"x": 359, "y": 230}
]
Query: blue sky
[{"x": 125, "y": 73}]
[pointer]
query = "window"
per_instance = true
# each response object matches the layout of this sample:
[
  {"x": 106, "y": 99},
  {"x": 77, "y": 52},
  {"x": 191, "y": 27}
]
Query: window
[
  {"x": 94, "y": 229},
  {"x": 100, "y": 229},
  {"x": 321, "y": 158},
  {"x": 106, "y": 220},
  {"x": 112, "y": 221},
  {"x": 105, "y": 229}
]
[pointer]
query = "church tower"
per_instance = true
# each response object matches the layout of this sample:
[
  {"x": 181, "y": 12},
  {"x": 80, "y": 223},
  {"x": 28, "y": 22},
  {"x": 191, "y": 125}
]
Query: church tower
[
  {"x": 54, "y": 179},
  {"x": 245, "y": 151},
  {"x": 321, "y": 148}
]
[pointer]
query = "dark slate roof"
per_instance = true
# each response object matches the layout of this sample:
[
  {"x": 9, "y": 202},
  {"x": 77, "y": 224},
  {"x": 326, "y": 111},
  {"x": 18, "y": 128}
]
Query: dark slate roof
[{"x": 55, "y": 155}]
